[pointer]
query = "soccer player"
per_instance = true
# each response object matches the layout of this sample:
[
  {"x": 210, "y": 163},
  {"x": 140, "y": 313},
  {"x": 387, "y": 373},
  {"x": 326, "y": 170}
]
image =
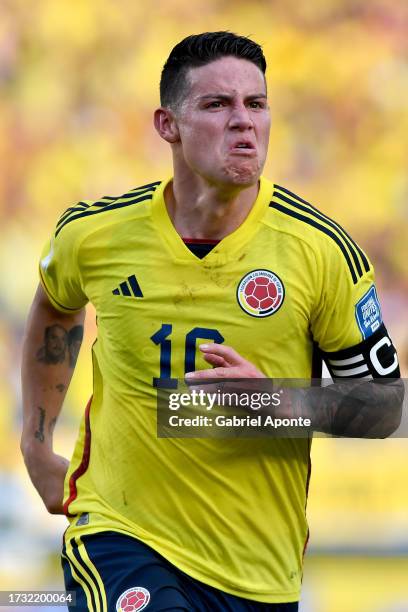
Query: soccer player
[{"x": 216, "y": 266}]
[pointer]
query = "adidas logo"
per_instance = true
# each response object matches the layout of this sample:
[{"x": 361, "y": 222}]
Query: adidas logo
[{"x": 129, "y": 288}]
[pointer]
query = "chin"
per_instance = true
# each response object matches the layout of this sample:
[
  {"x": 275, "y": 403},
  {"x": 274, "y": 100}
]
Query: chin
[{"x": 244, "y": 174}]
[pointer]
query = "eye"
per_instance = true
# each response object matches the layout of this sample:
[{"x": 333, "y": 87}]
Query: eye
[
  {"x": 215, "y": 104},
  {"x": 256, "y": 104}
]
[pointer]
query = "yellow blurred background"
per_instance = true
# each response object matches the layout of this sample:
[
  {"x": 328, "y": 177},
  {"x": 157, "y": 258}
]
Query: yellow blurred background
[{"x": 79, "y": 82}]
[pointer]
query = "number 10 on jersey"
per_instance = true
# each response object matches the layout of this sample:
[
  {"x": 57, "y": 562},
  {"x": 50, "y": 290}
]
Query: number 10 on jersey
[{"x": 162, "y": 338}]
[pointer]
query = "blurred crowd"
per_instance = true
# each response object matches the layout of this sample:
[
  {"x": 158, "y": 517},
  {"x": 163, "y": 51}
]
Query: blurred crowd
[{"x": 79, "y": 83}]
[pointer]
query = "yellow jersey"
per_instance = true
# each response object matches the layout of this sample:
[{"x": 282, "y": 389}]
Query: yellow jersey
[{"x": 230, "y": 513}]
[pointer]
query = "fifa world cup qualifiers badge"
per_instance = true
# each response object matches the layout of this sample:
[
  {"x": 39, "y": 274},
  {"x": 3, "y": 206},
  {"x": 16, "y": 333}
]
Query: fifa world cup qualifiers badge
[
  {"x": 368, "y": 313},
  {"x": 260, "y": 293}
]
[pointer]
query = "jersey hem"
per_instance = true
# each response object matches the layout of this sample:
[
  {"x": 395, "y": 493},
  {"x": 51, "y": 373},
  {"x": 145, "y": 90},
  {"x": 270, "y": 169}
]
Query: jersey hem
[{"x": 258, "y": 595}]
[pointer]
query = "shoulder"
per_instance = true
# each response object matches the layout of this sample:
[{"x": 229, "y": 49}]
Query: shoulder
[
  {"x": 89, "y": 216},
  {"x": 292, "y": 214}
]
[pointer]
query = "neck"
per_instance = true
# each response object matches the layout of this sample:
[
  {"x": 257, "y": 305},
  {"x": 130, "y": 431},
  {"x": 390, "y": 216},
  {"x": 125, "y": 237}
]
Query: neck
[{"x": 200, "y": 210}]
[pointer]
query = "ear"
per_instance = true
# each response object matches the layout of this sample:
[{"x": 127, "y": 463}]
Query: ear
[{"x": 166, "y": 125}]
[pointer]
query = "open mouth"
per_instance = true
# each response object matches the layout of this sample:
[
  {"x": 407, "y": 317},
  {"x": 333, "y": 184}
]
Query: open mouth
[
  {"x": 243, "y": 148},
  {"x": 243, "y": 145}
]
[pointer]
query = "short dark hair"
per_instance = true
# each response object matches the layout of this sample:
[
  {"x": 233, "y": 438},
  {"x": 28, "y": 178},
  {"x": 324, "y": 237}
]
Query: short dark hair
[
  {"x": 52, "y": 328},
  {"x": 199, "y": 50}
]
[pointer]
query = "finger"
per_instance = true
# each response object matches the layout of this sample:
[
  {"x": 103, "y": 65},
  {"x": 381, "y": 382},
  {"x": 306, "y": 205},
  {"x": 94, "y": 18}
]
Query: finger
[
  {"x": 215, "y": 360},
  {"x": 222, "y": 350},
  {"x": 199, "y": 375},
  {"x": 208, "y": 374}
]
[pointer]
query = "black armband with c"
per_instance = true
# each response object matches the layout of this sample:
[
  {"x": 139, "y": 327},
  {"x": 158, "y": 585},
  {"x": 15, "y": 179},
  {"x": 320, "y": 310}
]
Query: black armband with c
[{"x": 375, "y": 357}]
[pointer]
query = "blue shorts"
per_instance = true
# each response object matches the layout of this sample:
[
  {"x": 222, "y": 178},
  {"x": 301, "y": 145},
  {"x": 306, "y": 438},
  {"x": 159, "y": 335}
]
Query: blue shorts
[{"x": 112, "y": 572}]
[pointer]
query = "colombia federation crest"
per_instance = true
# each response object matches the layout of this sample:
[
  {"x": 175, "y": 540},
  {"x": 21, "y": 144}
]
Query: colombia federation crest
[
  {"x": 260, "y": 293},
  {"x": 134, "y": 599}
]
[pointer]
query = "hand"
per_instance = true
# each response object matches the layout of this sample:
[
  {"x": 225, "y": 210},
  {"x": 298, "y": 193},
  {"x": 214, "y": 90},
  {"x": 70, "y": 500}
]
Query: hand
[
  {"x": 47, "y": 472},
  {"x": 227, "y": 364},
  {"x": 231, "y": 374}
]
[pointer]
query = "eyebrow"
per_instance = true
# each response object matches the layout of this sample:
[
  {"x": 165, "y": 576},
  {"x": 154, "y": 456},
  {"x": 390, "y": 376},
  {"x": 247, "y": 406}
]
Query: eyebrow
[{"x": 222, "y": 96}]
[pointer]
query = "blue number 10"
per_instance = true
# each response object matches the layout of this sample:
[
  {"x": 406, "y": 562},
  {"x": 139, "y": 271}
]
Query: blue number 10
[{"x": 161, "y": 339}]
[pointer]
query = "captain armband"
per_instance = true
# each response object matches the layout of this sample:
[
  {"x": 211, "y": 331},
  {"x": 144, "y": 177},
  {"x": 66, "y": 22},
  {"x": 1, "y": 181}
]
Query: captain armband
[{"x": 374, "y": 357}]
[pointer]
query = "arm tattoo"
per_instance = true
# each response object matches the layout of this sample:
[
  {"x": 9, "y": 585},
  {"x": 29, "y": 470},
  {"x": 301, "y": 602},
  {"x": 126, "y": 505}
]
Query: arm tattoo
[
  {"x": 59, "y": 344},
  {"x": 357, "y": 409},
  {"x": 39, "y": 433},
  {"x": 55, "y": 345},
  {"x": 75, "y": 336}
]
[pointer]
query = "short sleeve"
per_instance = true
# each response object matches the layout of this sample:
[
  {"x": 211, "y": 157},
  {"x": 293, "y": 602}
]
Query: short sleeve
[
  {"x": 60, "y": 272},
  {"x": 347, "y": 311}
]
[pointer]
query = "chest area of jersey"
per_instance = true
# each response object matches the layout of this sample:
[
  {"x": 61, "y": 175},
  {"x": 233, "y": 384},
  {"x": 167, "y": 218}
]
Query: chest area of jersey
[{"x": 259, "y": 304}]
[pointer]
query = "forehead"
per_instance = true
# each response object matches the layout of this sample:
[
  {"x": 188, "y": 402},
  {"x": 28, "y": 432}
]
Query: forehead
[{"x": 226, "y": 75}]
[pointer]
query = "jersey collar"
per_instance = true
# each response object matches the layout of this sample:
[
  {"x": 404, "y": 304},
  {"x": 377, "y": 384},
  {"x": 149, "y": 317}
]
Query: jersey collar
[{"x": 228, "y": 247}]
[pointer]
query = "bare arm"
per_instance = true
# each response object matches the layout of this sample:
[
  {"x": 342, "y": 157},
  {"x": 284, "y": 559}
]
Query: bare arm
[
  {"x": 355, "y": 408},
  {"x": 51, "y": 345}
]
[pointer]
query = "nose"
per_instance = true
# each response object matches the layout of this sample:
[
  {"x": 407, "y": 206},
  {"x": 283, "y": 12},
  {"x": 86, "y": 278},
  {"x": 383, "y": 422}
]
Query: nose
[{"x": 240, "y": 118}]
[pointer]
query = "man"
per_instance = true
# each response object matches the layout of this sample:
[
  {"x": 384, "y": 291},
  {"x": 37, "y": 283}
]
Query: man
[
  {"x": 55, "y": 345},
  {"x": 171, "y": 267}
]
